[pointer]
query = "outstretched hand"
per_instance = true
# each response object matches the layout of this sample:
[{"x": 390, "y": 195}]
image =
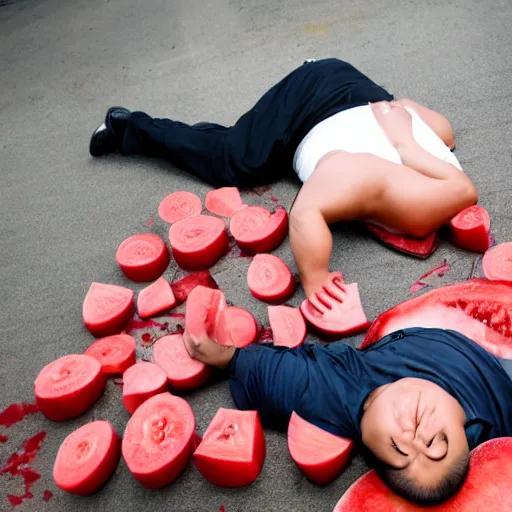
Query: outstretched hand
[
  {"x": 325, "y": 291},
  {"x": 396, "y": 121}
]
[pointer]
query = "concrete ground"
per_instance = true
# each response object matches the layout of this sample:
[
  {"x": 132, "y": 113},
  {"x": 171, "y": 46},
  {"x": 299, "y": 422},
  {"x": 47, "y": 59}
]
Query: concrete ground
[{"x": 63, "y": 214}]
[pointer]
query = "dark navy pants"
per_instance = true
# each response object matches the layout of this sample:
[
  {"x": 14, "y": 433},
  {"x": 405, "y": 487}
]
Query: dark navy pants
[{"x": 259, "y": 148}]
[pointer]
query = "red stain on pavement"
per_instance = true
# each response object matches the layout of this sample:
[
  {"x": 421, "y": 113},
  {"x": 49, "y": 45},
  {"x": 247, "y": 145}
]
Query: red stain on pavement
[
  {"x": 118, "y": 381},
  {"x": 47, "y": 495},
  {"x": 150, "y": 222},
  {"x": 18, "y": 465},
  {"x": 265, "y": 336},
  {"x": 15, "y": 413},
  {"x": 438, "y": 271},
  {"x": 222, "y": 509},
  {"x": 3, "y": 439}
]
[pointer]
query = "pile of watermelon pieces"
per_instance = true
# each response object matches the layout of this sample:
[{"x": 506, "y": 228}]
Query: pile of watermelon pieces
[{"x": 160, "y": 437}]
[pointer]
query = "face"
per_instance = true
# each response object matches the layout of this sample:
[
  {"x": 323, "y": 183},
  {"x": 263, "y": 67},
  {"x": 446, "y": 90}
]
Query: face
[{"x": 414, "y": 425}]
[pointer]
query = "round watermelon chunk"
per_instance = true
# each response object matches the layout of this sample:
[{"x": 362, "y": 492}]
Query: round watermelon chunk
[
  {"x": 256, "y": 230},
  {"x": 233, "y": 448},
  {"x": 115, "y": 353},
  {"x": 87, "y": 458},
  {"x": 143, "y": 257},
  {"x": 198, "y": 242},
  {"x": 471, "y": 229},
  {"x": 235, "y": 327},
  {"x": 179, "y": 205},
  {"x": 183, "y": 372},
  {"x": 497, "y": 262},
  {"x": 487, "y": 486},
  {"x": 155, "y": 298},
  {"x": 68, "y": 386},
  {"x": 140, "y": 382},
  {"x": 288, "y": 326},
  {"x": 107, "y": 309},
  {"x": 225, "y": 201},
  {"x": 159, "y": 439},
  {"x": 269, "y": 279},
  {"x": 320, "y": 455}
]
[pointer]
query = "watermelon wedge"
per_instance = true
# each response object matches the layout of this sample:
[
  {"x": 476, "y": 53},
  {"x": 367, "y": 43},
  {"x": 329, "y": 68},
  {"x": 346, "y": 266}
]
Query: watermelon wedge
[
  {"x": 471, "y": 229},
  {"x": 204, "y": 307},
  {"x": 115, "y": 353},
  {"x": 233, "y": 448},
  {"x": 179, "y": 205},
  {"x": 269, "y": 279},
  {"x": 198, "y": 242},
  {"x": 419, "y": 247},
  {"x": 256, "y": 230},
  {"x": 183, "y": 372},
  {"x": 225, "y": 201},
  {"x": 497, "y": 262},
  {"x": 67, "y": 387},
  {"x": 107, "y": 309},
  {"x": 320, "y": 455},
  {"x": 155, "y": 298},
  {"x": 159, "y": 439},
  {"x": 479, "y": 309},
  {"x": 140, "y": 382},
  {"x": 288, "y": 326},
  {"x": 487, "y": 486},
  {"x": 87, "y": 458},
  {"x": 185, "y": 285},
  {"x": 343, "y": 319},
  {"x": 235, "y": 327},
  {"x": 143, "y": 257}
]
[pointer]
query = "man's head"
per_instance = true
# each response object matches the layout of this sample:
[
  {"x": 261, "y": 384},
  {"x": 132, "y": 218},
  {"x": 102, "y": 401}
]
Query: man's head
[{"x": 415, "y": 433}]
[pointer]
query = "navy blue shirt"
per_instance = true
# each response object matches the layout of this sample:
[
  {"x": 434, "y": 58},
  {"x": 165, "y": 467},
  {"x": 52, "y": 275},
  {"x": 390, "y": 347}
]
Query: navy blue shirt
[{"x": 328, "y": 386}]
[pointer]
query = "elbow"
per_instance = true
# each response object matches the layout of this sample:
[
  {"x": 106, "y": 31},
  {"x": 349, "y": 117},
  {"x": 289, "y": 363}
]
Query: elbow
[{"x": 469, "y": 194}]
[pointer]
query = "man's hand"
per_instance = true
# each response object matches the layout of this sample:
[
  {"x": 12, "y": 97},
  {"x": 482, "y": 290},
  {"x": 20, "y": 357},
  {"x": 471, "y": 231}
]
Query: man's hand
[
  {"x": 395, "y": 121},
  {"x": 204, "y": 349},
  {"x": 323, "y": 289}
]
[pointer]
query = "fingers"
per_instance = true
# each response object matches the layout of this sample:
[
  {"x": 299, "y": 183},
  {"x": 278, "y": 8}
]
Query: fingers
[
  {"x": 320, "y": 302},
  {"x": 335, "y": 290}
]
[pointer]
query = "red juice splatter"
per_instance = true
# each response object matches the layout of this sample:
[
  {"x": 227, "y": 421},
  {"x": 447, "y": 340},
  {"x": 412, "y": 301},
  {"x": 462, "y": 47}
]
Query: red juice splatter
[
  {"x": 147, "y": 339},
  {"x": 440, "y": 271},
  {"x": 222, "y": 509},
  {"x": 3, "y": 439},
  {"x": 276, "y": 200},
  {"x": 184, "y": 286},
  {"x": 15, "y": 413},
  {"x": 118, "y": 381},
  {"x": 137, "y": 323},
  {"x": 18, "y": 465},
  {"x": 47, "y": 495},
  {"x": 265, "y": 336},
  {"x": 150, "y": 221}
]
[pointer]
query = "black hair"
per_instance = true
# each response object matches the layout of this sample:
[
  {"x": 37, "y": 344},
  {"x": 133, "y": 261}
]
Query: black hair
[{"x": 400, "y": 483}]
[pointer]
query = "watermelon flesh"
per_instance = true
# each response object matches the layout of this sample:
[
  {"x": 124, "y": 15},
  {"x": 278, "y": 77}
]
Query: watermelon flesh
[
  {"x": 343, "y": 319},
  {"x": 179, "y": 205},
  {"x": 320, "y": 455},
  {"x": 183, "y": 372},
  {"x": 232, "y": 451},
  {"x": 68, "y": 386},
  {"x": 419, "y": 247},
  {"x": 143, "y": 257},
  {"x": 185, "y": 285},
  {"x": 225, "y": 201},
  {"x": 269, "y": 278},
  {"x": 155, "y": 298},
  {"x": 235, "y": 327},
  {"x": 487, "y": 486},
  {"x": 198, "y": 242},
  {"x": 204, "y": 306},
  {"x": 288, "y": 326},
  {"x": 497, "y": 262},
  {"x": 87, "y": 458},
  {"x": 471, "y": 229},
  {"x": 479, "y": 309},
  {"x": 107, "y": 309},
  {"x": 115, "y": 353},
  {"x": 140, "y": 382},
  {"x": 256, "y": 230},
  {"x": 159, "y": 439}
]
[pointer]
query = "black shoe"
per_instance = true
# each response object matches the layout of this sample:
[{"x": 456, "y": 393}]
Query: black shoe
[{"x": 109, "y": 135}]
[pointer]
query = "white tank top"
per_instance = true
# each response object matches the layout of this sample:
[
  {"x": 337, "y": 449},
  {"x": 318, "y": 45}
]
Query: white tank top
[{"x": 357, "y": 131}]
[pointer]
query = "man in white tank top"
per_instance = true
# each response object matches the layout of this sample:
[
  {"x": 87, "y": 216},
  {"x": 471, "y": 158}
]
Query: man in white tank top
[{"x": 360, "y": 154}]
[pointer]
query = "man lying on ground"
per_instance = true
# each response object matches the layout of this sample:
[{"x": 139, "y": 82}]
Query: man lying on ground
[
  {"x": 418, "y": 400},
  {"x": 388, "y": 163}
]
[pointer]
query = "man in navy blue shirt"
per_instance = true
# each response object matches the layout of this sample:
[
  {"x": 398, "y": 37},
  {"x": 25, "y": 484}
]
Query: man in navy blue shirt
[{"x": 418, "y": 400}]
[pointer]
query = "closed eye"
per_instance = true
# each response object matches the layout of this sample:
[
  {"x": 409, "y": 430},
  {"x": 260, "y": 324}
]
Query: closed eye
[{"x": 393, "y": 444}]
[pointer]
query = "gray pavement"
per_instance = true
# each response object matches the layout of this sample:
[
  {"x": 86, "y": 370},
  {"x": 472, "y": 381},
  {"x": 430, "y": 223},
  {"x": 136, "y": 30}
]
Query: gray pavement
[{"x": 63, "y": 214}]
